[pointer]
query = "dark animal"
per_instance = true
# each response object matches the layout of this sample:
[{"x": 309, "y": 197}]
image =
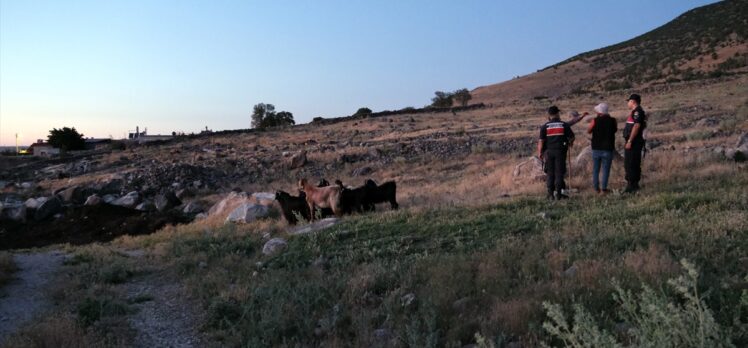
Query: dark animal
[
  {"x": 291, "y": 206},
  {"x": 386, "y": 192},
  {"x": 354, "y": 199},
  {"x": 323, "y": 183}
]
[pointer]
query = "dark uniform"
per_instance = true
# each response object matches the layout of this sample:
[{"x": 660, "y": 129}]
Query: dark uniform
[
  {"x": 633, "y": 157},
  {"x": 556, "y": 136}
]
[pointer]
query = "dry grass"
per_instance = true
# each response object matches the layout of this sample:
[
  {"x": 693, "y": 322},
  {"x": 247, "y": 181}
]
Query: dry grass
[{"x": 57, "y": 330}]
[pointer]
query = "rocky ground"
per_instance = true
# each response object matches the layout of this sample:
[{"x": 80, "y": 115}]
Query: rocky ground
[{"x": 99, "y": 195}]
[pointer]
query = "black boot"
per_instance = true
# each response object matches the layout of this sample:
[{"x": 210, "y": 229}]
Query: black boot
[{"x": 560, "y": 196}]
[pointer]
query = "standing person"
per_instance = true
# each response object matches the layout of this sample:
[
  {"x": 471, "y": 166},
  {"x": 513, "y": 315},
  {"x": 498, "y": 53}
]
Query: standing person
[
  {"x": 633, "y": 133},
  {"x": 556, "y": 137},
  {"x": 603, "y": 129}
]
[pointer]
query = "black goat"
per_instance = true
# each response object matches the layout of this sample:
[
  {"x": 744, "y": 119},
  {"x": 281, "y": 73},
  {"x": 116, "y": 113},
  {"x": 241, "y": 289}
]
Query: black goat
[
  {"x": 354, "y": 199},
  {"x": 386, "y": 192}
]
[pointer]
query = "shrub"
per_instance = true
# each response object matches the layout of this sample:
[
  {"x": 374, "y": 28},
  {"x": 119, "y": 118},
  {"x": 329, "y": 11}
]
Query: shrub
[
  {"x": 92, "y": 310},
  {"x": 655, "y": 320},
  {"x": 115, "y": 273}
]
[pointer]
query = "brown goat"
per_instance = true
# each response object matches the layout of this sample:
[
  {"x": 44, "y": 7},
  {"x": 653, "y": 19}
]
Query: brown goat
[{"x": 321, "y": 197}]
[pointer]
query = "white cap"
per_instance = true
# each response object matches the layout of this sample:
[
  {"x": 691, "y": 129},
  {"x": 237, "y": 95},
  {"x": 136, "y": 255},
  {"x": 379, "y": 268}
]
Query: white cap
[{"x": 601, "y": 108}]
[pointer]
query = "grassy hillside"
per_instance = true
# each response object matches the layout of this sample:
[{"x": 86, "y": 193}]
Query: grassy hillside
[
  {"x": 438, "y": 277},
  {"x": 706, "y": 42}
]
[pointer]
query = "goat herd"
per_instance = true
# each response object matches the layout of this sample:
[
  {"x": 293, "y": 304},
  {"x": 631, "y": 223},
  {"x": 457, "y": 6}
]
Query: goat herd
[{"x": 325, "y": 200}]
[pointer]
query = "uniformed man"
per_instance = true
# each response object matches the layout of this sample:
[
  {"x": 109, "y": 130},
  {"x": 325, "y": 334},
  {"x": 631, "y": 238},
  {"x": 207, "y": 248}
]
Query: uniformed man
[
  {"x": 556, "y": 137},
  {"x": 633, "y": 133}
]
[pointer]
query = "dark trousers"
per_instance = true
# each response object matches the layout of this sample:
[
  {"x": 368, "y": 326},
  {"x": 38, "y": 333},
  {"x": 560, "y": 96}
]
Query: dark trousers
[
  {"x": 632, "y": 161},
  {"x": 555, "y": 168}
]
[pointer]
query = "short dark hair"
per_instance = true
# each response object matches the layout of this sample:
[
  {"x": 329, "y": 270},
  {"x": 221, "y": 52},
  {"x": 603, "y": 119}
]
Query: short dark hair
[{"x": 553, "y": 110}]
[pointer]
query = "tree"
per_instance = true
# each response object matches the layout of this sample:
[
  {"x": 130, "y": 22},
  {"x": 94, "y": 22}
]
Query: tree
[
  {"x": 441, "y": 100},
  {"x": 66, "y": 139},
  {"x": 362, "y": 111},
  {"x": 259, "y": 113},
  {"x": 264, "y": 116},
  {"x": 462, "y": 96}
]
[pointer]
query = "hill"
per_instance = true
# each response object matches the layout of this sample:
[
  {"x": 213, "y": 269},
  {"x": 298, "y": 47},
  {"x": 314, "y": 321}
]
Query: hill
[{"x": 706, "y": 42}]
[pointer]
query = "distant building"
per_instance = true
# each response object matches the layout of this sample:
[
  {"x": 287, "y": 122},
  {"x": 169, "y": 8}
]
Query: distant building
[
  {"x": 97, "y": 144},
  {"x": 43, "y": 149},
  {"x": 143, "y": 137}
]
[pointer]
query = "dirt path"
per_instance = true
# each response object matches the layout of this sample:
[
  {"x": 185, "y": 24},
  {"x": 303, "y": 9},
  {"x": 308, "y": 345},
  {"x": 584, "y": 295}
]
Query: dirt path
[
  {"x": 24, "y": 297},
  {"x": 165, "y": 316}
]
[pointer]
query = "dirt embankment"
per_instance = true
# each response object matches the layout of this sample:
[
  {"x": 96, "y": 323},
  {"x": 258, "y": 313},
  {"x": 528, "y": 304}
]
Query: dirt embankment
[{"x": 84, "y": 225}]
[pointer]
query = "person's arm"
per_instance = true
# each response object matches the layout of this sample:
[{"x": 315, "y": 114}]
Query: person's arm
[
  {"x": 541, "y": 141},
  {"x": 592, "y": 125},
  {"x": 634, "y": 132},
  {"x": 570, "y": 135},
  {"x": 540, "y": 148}
]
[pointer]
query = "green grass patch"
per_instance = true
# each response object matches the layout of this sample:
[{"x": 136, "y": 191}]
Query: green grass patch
[{"x": 452, "y": 276}]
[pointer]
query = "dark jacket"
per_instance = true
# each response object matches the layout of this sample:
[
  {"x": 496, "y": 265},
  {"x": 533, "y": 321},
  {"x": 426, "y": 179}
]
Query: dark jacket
[
  {"x": 556, "y": 135},
  {"x": 604, "y": 133}
]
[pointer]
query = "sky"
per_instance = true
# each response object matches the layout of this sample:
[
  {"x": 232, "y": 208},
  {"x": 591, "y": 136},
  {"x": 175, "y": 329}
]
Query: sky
[{"x": 105, "y": 67}]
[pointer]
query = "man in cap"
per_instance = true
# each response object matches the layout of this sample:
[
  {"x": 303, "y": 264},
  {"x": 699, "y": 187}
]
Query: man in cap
[
  {"x": 556, "y": 137},
  {"x": 633, "y": 133}
]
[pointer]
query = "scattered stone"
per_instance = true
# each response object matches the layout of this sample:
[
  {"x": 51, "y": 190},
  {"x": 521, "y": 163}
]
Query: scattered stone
[
  {"x": 274, "y": 246},
  {"x": 108, "y": 199},
  {"x": 201, "y": 216},
  {"x": 93, "y": 200},
  {"x": 166, "y": 201},
  {"x": 248, "y": 212},
  {"x": 193, "y": 208},
  {"x": 49, "y": 208},
  {"x": 230, "y": 200},
  {"x": 34, "y": 203},
  {"x": 316, "y": 226},
  {"x": 76, "y": 194},
  {"x": 146, "y": 206},
  {"x": 407, "y": 299},
  {"x": 264, "y": 198},
  {"x": 530, "y": 169},
  {"x": 130, "y": 200}
]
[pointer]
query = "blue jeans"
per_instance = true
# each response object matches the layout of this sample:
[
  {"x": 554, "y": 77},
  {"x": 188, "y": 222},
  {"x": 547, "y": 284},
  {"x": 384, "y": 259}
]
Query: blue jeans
[{"x": 604, "y": 158}]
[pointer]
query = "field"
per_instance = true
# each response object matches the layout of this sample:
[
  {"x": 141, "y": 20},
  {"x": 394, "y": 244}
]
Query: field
[{"x": 471, "y": 256}]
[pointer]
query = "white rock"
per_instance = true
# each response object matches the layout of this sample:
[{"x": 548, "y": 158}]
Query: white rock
[
  {"x": 128, "y": 201},
  {"x": 316, "y": 226},
  {"x": 274, "y": 246},
  {"x": 34, "y": 203},
  {"x": 248, "y": 212},
  {"x": 231, "y": 199}
]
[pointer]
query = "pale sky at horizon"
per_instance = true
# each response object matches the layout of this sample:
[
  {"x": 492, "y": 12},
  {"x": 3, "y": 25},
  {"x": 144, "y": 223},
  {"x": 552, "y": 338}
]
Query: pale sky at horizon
[{"x": 105, "y": 67}]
